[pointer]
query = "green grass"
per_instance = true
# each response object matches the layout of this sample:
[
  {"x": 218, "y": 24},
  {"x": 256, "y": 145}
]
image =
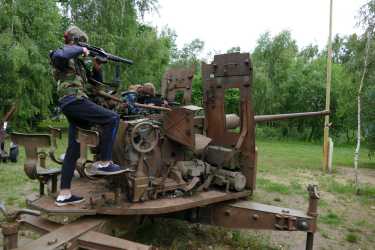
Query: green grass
[
  {"x": 331, "y": 218},
  {"x": 352, "y": 238},
  {"x": 333, "y": 186},
  {"x": 366, "y": 193},
  {"x": 284, "y": 156},
  {"x": 271, "y": 186},
  {"x": 284, "y": 168},
  {"x": 174, "y": 234},
  {"x": 14, "y": 184}
]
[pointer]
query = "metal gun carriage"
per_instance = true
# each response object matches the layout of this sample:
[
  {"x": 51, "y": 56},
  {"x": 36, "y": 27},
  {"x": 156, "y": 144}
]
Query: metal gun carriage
[{"x": 185, "y": 165}]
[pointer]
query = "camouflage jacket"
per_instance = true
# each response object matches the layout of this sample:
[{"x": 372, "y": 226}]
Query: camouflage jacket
[{"x": 71, "y": 71}]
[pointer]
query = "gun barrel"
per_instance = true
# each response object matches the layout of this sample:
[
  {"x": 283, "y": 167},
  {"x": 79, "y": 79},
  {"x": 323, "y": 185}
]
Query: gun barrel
[
  {"x": 267, "y": 118},
  {"x": 119, "y": 59}
]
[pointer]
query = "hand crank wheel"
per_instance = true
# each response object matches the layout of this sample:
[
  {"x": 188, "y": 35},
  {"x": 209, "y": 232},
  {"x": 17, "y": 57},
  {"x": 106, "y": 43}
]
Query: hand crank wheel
[{"x": 144, "y": 137}]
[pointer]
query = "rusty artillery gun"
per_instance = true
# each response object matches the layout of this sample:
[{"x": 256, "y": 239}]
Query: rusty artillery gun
[{"x": 186, "y": 165}]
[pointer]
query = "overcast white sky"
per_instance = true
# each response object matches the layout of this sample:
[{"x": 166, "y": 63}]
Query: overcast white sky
[{"x": 223, "y": 24}]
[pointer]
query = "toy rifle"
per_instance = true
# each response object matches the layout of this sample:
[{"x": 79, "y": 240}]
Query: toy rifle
[{"x": 102, "y": 54}]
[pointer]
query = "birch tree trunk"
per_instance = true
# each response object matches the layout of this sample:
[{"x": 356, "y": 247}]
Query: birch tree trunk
[{"x": 358, "y": 147}]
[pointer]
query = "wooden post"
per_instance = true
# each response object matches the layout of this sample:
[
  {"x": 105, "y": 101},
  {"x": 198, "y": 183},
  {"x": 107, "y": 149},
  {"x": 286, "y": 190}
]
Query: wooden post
[{"x": 328, "y": 94}]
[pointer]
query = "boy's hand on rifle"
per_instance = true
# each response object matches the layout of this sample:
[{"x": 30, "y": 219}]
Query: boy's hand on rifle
[{"x": 86, "y": 52}]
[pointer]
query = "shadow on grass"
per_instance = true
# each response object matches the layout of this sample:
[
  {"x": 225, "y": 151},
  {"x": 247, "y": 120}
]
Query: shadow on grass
[{"x": 174, "y": 234}]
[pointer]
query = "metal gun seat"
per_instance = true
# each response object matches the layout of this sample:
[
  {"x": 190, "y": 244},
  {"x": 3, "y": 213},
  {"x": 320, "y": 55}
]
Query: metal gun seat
[{"x": 35, "y": 164}]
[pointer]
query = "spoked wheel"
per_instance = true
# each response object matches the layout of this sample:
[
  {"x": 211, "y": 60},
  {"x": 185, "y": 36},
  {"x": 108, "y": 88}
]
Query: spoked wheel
[
  {"x": 87, "y": 170},
  {"x": 145, "y": 137}
]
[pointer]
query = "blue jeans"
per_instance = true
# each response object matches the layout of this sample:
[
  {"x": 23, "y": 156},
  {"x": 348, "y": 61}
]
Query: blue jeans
[{"x": 84, "y": 113}]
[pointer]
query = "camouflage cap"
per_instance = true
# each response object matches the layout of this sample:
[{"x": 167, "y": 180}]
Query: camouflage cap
[{"x": 73, "y": 32}]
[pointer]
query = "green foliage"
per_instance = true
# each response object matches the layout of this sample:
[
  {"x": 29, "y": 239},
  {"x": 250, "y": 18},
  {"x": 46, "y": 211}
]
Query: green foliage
[
  {"x": 197, "y": 90},
  {"x": 330, "y": 218},
  {"x": 187, "y": 57},
  {"x": 232, "y": 101},
  {"x": 114, "y": 25},
  {"x": 369, "y": 118},
  {"x": 25, "y": 40},
  {"x": 234, "y": 49},
  {"x": 286, "y": 78},
  {"x": 353, "y": 58},
  {"x": 290, "y": 80},
  {"x": 55, "y": 123},
  {"x": 173, "y": 234},
  {"x": 189, "y": 54},
  {"x": 271, "y": 186}
]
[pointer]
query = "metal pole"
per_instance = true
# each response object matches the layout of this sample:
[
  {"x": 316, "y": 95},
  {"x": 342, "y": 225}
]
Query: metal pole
[
  {"x": 328, "y": 94},
  {"x": 309, "y": 241},
  {"x": 10, "y": 235}
]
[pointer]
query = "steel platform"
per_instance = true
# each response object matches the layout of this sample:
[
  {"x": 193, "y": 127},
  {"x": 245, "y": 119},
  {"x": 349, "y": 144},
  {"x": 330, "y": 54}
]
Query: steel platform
[{"x": 100, "y": 200}]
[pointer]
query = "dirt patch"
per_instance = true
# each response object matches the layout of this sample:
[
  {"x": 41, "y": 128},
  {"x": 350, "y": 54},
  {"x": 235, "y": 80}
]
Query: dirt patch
[
  {"x": 366, "y": 176},
  {"x": 353, "y": 223}
]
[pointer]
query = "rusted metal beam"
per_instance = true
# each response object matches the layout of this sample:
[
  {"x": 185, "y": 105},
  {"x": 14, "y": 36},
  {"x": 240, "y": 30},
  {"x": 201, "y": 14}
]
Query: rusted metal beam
[
  {"x": 231, "y": 71},
  {"x": 64, "y": 235},
  {"x": 312, "y": 211},
  {"x": 253, "y": 215},
  {"x": 95, "y": 240},
  {"x": 178, "y": 80},
  {"x": 78, "y": 235},
  {"x": 268, "y": 118},
  {"x": 10, "y": 235},
  {"x": 40, "y": 225},
  {"x": 11, "y": 225}
]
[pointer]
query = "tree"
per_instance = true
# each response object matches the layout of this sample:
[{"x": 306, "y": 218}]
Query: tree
[
  {"x": 25, "y": 41},
  {"x": 114, "y": 25},
  {"x": 236, "y": 49},
  {"x": 290, "y": 80},
  {"x": 273, "y": 57},
  {"x": 368, "y": 21},
  {"x": 189, "y": 54}
]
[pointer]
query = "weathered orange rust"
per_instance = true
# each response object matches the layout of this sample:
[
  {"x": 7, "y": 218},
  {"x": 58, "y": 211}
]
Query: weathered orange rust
[
  {"x": 177, "y": 80},
  {"x": 184, "y": 165},
  {"x": 231, "y": 71}
]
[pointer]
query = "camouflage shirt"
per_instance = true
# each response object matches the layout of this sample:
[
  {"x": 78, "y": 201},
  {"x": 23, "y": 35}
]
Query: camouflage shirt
[{"x": 71, "y": 72}]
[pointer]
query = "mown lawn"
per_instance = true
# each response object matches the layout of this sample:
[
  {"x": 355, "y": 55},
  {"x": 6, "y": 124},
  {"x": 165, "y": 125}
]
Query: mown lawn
[
  {"x": 300, "y": 155},
  {"x": 346, "y": 221}
]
